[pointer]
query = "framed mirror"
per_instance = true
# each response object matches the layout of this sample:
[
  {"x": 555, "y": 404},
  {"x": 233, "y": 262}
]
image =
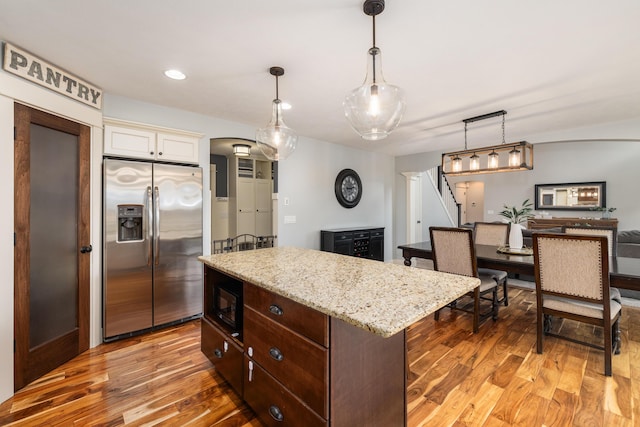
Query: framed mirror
[{"x": 577, "y": 196}]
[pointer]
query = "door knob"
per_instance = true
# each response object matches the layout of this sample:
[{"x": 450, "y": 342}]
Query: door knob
[{"x": 86, "y": 249}]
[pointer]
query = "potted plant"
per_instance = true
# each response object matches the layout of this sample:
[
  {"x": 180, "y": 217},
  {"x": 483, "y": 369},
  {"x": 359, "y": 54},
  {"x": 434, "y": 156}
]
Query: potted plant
[
  {"x": 606, "y": 212},
  {"x": 517, "y": 216}
]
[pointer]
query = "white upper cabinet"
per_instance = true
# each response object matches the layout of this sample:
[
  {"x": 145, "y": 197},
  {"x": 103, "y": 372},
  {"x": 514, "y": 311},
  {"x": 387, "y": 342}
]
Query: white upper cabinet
[
  {"x": 119, "y": 141},
  {"x": 141, "y": 141},
  {"x": 178, "y": 148}
]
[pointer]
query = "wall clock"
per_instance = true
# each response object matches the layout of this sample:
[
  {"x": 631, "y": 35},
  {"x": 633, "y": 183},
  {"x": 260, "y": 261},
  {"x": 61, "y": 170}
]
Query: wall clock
[{"x": 348, "y": 188}]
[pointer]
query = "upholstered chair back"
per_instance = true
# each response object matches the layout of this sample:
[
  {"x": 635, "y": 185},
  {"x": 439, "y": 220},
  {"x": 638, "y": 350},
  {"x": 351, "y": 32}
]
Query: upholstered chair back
[
  {"x": 609, "y": 232},
  {"x": 453, "y": 250},
  {"x": 494, "y": 234},
  {"x": 571, "y": 266}
]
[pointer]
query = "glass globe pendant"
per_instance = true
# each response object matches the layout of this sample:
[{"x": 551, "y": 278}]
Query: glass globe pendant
[
  {"x": 375, "y": 108},
  {"x": 276, "y": 140}
]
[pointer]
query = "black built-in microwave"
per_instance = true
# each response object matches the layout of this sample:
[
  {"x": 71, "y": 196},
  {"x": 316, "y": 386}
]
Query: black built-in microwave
[{"x": 227, "y": 305}]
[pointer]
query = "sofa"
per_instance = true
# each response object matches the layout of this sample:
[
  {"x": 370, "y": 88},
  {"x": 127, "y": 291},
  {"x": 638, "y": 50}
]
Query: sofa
[
  {"x": 629, "y": 243},
  {"x": 629, "y": 246}
]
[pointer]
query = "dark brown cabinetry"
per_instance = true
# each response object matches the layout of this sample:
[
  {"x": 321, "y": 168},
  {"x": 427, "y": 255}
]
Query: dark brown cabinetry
[
  {"x": 279, "y": 340},
  {"x": 361, "y": 242},
  {"x": 542, "y": 223},
  {"x": 296, "y": 366},
  {"x": 275, "y": 405},
  {"x": 224, "y": 352},
  {"x": 221, "y": 343}
]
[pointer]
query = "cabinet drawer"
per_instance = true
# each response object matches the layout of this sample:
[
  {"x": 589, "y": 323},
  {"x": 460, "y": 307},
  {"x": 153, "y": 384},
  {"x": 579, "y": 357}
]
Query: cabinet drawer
[
  {"x": 274, "y": 404},
  {"x": 360, "y": 234},
  {"x": 304, "y": 320},
  {"x": 224, "y": 353},
  {"x": 299, "y": 364},
  {"x": 377, "y": 233},
  {"x": 342, "y": 236}
]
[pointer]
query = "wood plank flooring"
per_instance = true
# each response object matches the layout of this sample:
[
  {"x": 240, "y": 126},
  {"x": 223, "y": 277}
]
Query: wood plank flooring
[{"x": 456, "y": 378}]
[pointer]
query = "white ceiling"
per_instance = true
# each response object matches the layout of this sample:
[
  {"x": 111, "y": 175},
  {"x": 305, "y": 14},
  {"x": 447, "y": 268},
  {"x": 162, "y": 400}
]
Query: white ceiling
[{"x": 552, "y": 65}]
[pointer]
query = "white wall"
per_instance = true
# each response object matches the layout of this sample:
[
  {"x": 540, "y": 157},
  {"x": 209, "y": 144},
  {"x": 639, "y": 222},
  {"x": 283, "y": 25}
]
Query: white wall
[
  {"x": 307, "y": 180},
  {"x": 6, "y": 249},
  {"x": 432, "y": 210}
]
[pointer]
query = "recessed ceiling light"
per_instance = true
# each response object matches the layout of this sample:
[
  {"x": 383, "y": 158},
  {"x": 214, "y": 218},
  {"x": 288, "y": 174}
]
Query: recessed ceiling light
[
  {"x": 175, "y": 74},
  {"x": 285, "y": 106}
]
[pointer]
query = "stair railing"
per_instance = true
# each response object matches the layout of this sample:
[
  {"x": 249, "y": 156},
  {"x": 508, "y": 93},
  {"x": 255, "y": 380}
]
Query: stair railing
[{"x": 449, "y": 201}]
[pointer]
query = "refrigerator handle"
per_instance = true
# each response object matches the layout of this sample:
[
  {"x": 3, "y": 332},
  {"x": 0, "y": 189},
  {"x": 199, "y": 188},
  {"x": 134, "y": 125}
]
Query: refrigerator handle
[
  {"x": 156, "y": 223},
  {"x": 148, "y": 231}
]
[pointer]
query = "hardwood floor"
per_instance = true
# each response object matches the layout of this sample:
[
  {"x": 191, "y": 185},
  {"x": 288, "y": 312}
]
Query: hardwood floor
[{"x": 456, "y": 378}]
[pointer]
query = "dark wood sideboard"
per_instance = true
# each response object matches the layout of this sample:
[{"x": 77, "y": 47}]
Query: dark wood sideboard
[
  {"x": 543, "y": 223},
  {"x": 359, "y": 242}
]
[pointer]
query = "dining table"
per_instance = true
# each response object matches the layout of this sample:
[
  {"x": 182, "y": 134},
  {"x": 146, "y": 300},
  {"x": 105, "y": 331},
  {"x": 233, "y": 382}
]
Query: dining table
[{"x": 624, "y": 273}]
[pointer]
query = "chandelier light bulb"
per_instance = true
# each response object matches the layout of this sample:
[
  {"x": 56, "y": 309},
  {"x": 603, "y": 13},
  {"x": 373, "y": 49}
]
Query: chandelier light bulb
[
  {"x": 456, "y": 164},
  {"x": 374, "y": 102},
  {"x": 493, "y": 160},
  {"x": 514, "y": 158},
  {"x": 474, "y": 162}
]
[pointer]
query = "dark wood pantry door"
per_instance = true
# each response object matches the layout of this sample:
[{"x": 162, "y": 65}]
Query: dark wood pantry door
[{"x": 51, "y": 262}]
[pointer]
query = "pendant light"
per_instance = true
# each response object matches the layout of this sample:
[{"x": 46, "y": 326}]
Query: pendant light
[
  {"x": 276, "y": 141},
  {"x": 514, "y": 158},
  {"x": 494, "y": 160},
  {"x": 474, "y": 162},
  {"x": 375, "y": 108}
]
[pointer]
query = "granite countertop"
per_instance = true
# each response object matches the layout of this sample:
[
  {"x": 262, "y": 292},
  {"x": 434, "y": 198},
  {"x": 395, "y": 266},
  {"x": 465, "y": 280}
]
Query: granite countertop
[{"x": 380, "y": 297}]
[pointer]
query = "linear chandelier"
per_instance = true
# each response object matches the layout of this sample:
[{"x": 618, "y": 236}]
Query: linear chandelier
[{"x": 505, "y": 157}]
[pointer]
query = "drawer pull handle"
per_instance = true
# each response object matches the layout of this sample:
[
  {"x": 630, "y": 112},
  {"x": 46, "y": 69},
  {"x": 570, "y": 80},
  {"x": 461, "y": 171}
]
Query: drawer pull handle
[
  {"x": 276, "y": 413},
  {"x": 276, "y": 310},
  {"x": 276, "y": 354},
  {"x": 218, "y": 353}
]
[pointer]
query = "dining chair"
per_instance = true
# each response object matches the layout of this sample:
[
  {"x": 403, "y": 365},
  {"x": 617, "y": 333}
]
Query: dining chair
[
  {"x": 610, "y": 232},
  {"x": 493, "y": 234},
  {"x": 572, "y": 282},
  {"x": 454, "y": 252}
]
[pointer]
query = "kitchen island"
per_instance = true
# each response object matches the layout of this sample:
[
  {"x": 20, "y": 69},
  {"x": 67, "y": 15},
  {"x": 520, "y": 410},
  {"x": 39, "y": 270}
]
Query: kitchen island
[{"x": 320, "y": 338}]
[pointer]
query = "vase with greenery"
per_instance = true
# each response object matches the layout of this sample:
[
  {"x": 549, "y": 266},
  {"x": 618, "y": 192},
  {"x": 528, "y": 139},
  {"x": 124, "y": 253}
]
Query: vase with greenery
[{"x": 517, "y": 215}]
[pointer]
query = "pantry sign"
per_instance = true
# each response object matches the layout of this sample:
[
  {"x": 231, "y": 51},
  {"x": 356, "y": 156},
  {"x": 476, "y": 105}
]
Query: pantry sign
[{"x": 34, "y": 69}]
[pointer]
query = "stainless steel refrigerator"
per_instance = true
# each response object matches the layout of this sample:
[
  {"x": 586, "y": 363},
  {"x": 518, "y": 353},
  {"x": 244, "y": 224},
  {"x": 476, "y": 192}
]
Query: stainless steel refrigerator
[{"x": 152, "y": 238}]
